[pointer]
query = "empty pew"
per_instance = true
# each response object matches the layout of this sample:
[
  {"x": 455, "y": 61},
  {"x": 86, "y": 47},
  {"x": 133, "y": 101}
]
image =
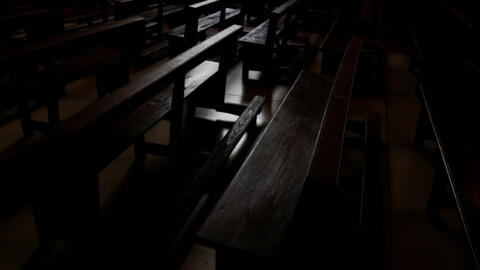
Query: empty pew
[
  {"x": 219, "y": 15},
  {"x": 40, "y": 70},
  {"x": 258, "y": 46},
  {"x": 154, "y": 13},
  {"x": 250, "y": 224},
  {"x": 88, "y": 141}
]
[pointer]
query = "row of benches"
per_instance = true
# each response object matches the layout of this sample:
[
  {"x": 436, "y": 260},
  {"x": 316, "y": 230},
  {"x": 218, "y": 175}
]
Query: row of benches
[
  {"x": 445, "y": 59},
  {"x": 302, "y": 143}
]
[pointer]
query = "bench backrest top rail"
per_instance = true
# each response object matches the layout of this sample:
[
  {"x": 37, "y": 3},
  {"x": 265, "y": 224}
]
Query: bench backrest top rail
[
  {"x": 64, "y": 41},
  {"x": 258, "y": 206},
  {"x": 284, "y": 7},
  {"x": 329, "y": 148},
  {"x": 206, "y": 6},
  {"x": 452, "y": 111},
  {"x": 145, "y": 87}
]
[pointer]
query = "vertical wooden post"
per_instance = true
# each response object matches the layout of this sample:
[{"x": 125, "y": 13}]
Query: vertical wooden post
[
  {"x": 176, "y": 120},
  {"x": 191, "y": 26}
]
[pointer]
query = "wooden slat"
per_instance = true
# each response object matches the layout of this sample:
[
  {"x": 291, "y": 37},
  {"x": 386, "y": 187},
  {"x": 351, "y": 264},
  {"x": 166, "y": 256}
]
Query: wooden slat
[
  {"x": 206, "y": 22},
  {"x": 257, "y": 36},
  {"x": 257, "y": 208},
  {"x": 145, "y": 87},
  {"x": 116, "y": 139},
  {"x": 207, "y": 176},
  {"x": 329, "y": 148},
  {"x": 52, "y": 45},
  {"x": 284, "y": 7}
]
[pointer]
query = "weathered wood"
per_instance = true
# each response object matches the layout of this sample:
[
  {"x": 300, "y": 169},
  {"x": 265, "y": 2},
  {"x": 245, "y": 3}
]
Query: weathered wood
[
  {"x": 209, "y": 173},
  {"x": 329, "y": 148},
  {"x": 58, "y": 44},
  {"x": 130, "y": 96},
  {"x": 255, "y": 212},
  {"x": 206, "y": 22},
  {"x": 259, "y": 44},
  {"x": 187, "y": 35},
  {"x": 115, "y": 140}
]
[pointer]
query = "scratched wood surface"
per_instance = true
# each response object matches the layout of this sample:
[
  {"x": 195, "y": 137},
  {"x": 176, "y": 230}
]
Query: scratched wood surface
[{"x": 257, "y": 208}]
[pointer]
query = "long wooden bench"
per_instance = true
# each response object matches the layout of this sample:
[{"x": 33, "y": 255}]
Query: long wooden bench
[
  {"x": 252, "y": 220},
  {"x": 41, "y": 70},
  {"x": 445, "y": 42},
  {"x": 68, "y": 160},
  {"x": 259, "y": 44},
  {"x": 219, "y": 15}
]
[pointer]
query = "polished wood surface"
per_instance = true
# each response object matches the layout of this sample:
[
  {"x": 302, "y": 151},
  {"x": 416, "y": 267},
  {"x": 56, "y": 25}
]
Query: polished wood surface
[
  {"x": 255, "y": 212},
  {"x": 329, "y": 148}
]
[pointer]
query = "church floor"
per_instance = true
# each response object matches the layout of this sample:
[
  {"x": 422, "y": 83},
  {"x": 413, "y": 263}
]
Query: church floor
[{"x": 416, "y": 243}]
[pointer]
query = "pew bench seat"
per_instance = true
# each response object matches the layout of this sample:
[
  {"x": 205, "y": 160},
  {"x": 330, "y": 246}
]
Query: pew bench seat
[
  {"x": 137, "y": 123},
  {"x": 206, "y": 22}
]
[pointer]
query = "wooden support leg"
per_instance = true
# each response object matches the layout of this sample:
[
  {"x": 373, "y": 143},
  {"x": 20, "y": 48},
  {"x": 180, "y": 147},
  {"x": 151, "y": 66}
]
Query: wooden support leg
[
  {"x": 140, "y": 153},
  {"x": 25, "y": 118}
]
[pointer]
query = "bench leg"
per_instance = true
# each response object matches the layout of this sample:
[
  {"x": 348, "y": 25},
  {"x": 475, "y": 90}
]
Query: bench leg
[
  {"x": 25, "y": 118},
  {"x": 140, "y": 153},
  {"x": 244, "y": 70}
]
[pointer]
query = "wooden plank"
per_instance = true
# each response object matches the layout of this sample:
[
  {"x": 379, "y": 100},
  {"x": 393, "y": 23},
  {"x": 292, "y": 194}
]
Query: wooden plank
[
  {"x": 208, "y": 174},
  {"x": 257, "y": 36},
  {"x": 145, "y": 87},
  {"x": 284, "y": 7},
  {"x": 55, "y": 44},
  {"x": 329, "y": 148},
  {"x": 205, "y": 22},
  {"x": 255, "y": 212},
  {"x": 116, "y": 139}
]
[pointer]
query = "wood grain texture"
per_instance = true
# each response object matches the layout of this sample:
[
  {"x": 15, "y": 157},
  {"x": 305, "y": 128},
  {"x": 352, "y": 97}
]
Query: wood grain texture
[
  {"x": 284, "y": 7},
  {"x": 205, "y": 22},
  {"x": 134, "y": 94},
  {"x": 330, "y": 145},
  {"x": 257, "y": 208},
  {"x": 109, "y": 144},
  {"x": 257, "y": 36},
  {"x": 208, "y": 174},
  {"x": 55, "y": 44}
]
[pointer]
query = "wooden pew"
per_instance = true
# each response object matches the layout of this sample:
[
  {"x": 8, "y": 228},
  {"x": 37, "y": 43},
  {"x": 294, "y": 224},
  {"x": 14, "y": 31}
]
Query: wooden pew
[
  {"x": 154, "y": 14},
  {"x": 185, "y": 36},
  {"x": 445, "y": 42},
  {"x": 252, "y": 220},
  {"x": 259, "y": 44},
  {"x": 64, "y": 59},
  {"x": 69, "y": 159},
  {"x": 35, "y": 20}
]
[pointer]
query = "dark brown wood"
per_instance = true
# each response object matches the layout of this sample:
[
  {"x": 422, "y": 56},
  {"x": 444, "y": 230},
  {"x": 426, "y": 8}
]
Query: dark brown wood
[
  {"x": 329, "y": 151},
  {"x": 254, "y": 213},
  {"x": 108, "y": 63},
  {"x": 54, "y": 45},
  {"x": 187, "y": 35},
  {"x": 259, "y": 44},
  {"x": 121, "y": 102},
  {"x": 89, "y": 140}
]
